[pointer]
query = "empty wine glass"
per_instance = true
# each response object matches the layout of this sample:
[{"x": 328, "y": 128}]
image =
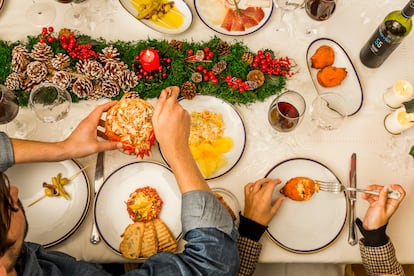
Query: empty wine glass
[
  {"x": 50, "y": 102},
  {"x": 285, "y": 6},
  {"x": 9, "y": 108},
  {"x": 327, "y": 110},
  {"x": 41, "y": 14},
  {"x": 74, "y": 16}
]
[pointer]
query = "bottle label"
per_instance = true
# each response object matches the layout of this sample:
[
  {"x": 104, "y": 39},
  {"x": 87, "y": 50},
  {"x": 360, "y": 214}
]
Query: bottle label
[{"x": 380, "y": 43}]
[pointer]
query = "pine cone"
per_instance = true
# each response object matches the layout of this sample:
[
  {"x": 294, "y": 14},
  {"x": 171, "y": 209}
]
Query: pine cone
[
  {"x": 19, "y": 62},
  {"x": 248, "y": 57},
  {"x": 196, "y": 77},
  {"x": 97, "y": 91},
  {"x": 109, "y": 53},
  {"x": 219, "y": 67},
  {"x": 199, "y": 55},
  {"x": 223, "y": 48},
  {"x": 66, "y": 32},
  {"x": 20, "y": 49},
  {"x": 113, "y": 70},
  {"x": 127, "y": 80},
  {"x": 188, "y": 90},
  {"x": 93, "y": 69},
  {"x": 36, "y": 71},
  {"x": 42, "y": 52},
  {"x": 62, "y": 79},
  {"x": 13, "y": 81},
  {"x": 110, "y": 88},
  {"x": 82, "y": 87},
  {"x": 60, "y": 61},
  {"x": 176, "y": 44},
  {"x": 257, "y": 76}
]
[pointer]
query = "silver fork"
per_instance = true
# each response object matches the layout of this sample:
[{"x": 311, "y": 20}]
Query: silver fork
[{"x": 336, "y": 187}]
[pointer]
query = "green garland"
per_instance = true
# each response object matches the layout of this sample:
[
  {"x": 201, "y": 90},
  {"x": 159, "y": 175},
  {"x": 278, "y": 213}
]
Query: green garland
[{"x": 179, "y": 73}]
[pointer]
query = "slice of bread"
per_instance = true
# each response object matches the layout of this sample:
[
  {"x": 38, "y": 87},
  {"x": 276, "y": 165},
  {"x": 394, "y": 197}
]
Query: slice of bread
[
  {"x": 149, "y": 241},
  {"x": 166, "y": 241},
  {"x": 131, "y": 243}
]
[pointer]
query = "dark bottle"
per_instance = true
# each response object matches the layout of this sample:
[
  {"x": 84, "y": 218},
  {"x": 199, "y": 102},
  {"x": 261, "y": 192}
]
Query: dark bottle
[{"x": 395, "y": 26}]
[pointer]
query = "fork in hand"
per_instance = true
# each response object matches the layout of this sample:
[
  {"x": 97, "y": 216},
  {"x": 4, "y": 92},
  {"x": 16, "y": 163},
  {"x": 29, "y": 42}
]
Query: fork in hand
[{"x": 336, "y": 187}]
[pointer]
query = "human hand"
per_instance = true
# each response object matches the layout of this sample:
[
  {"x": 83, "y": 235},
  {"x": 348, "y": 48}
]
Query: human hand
[
  {"x": 171, "y": 123},
  {"x": 84, "y": 141},
  {"x": 381, "y": 208},
  {"x": 258, "y": 204}
]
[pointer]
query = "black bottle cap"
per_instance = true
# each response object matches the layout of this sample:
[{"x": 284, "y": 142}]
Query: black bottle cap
[{"x": 408, "y": 10}]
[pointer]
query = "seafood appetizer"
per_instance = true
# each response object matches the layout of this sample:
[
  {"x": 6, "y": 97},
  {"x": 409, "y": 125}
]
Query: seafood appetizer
[{"x": 300, "y": 188}]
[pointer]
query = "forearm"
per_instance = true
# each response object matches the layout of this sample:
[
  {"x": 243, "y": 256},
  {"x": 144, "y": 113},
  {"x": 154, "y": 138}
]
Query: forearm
[
  {"x": 187, "y": 174},
  {"x": 35, "y": 151},
  {"x": 380, "y": 260}
]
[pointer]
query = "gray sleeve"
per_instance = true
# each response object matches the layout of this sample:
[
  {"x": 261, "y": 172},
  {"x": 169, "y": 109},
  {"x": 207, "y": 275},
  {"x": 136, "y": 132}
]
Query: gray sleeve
[{"x": 6, "y": 152}]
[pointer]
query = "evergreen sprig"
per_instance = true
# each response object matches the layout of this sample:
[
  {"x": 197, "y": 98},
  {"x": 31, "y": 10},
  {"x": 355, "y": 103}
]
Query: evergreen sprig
[{"x": 180, "y": 70}]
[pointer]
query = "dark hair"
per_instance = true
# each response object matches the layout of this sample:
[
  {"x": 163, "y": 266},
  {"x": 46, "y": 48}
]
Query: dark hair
[{"x": 6, "y": 209}]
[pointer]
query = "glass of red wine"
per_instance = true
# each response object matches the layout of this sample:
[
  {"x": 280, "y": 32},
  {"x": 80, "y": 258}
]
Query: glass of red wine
[
  {"x": 286, "y": 111},
  {"x": 21, "y": 127},
  {"x": 319, "y": 10}
]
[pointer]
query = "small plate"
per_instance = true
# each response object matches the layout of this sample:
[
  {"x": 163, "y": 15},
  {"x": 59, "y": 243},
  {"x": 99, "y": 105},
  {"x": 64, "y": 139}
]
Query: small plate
[
  {"x": 350, "y": 88},
  {"x": 179, "y": 4},
  {"x": 214, "y": 12},
  {"x": 233, "y": 123},
  {"x": 111, "y": 215},
  {"x": 52, "y": 219},
  {"x": 307, "y": 226},
  {"x": 230, "y": 199}
]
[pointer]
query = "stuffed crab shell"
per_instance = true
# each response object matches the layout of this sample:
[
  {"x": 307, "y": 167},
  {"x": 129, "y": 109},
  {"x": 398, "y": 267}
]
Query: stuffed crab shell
[{"x": 130, "y": 122}]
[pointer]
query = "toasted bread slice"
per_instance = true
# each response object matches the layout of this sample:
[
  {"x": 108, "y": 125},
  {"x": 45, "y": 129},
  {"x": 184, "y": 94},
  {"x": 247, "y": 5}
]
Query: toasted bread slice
[
  {"x": 149, "y": 241},
  {"x": 131, "y": 243},
  {"x": 166, "y": 241}
]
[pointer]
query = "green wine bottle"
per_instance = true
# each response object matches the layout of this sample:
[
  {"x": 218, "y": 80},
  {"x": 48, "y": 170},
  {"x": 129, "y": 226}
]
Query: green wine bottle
[{"x": 390, "y": 33}]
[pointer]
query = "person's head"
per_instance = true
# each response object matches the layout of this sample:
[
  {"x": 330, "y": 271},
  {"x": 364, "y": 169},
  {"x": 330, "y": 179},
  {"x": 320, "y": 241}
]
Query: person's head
[{"x": 13, "y": 223}]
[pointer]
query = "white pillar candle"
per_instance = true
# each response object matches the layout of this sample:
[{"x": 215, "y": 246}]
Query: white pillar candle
[
  {"x": 401, "y": 91},
  {"x": 398, "y": 121}
]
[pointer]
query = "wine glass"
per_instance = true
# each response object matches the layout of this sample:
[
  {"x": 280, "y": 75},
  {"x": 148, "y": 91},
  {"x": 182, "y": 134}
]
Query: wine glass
[
  {"x": 286, "y": 111},
  {"x": 50, "y": 102},
  {"x": 285, "y": 6},
  {"x": 319, "y": 10},
  {"x": 41, "y": 14},
  {"x": 9, "y": 108},
  {"x": 74, "y": 16},
  {"x": 328, "y": 111}
]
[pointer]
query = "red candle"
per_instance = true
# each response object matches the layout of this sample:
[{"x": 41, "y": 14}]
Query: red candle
[{"x": 149, "y": 59}]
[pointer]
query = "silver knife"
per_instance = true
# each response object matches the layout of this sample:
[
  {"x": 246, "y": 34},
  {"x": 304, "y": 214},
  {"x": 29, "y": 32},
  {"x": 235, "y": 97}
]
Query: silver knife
[
  {"x": 352, "y": 236},
  {"x": 94, "y": 239}
]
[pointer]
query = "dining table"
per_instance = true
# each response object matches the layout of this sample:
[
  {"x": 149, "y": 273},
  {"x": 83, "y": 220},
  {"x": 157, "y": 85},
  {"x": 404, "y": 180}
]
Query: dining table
[{"x": 382, "y": 158}]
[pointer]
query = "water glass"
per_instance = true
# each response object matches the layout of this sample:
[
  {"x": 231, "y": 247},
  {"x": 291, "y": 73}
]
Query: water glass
[
  {"x": 50, "y": 102},
  {"x": 328, "y": 111},
  {"x": 286, "y": 111}
]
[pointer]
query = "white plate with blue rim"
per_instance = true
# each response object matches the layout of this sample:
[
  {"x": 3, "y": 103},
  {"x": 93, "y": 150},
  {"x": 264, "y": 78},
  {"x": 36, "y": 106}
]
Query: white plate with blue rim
[
  {"x": 350, "y": 88},
  {"x": 181, "y": 11},
  {"x": 111, "y": 215},
  {"x": 226, "y": 18},
  {"x": 52, "y": 219},
  {"x": 307, "y": 226}
]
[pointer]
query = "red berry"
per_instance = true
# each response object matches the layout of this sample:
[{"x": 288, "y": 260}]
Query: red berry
[
  {"x": 164, "y": 76},
  {"x": 228, "y": 77},
  {"x": 200, "y": 67},
  {"x": 42, "y": 40},
  {"x": 206, "y": 50},
  {"x": 206, "y": 78},
  {"x": 50, "y": 29},
  {"x": 44, "y": 31},
  {"x": 241, "y": 89},
  {"x": 215, "y": 81},
  {"x": 50, "y": 39},
  {"x": 260, "y": 52},
  {"x": 190, "y": 52}
]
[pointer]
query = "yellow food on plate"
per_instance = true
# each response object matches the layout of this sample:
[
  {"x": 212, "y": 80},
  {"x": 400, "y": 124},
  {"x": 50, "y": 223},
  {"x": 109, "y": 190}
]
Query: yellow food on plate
[
  {"x": 207, "y": 143},
  {"x": 161, "y": 12},
  {"x": 144, "y": 204},
  {"x": 299, "y": 188}
]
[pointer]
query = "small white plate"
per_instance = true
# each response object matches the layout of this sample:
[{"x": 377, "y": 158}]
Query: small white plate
[
  {"x": 52, "y": 219},
  {"x": 233, "y": 127},
  {"x": 213, "y": 13},
  {"x": 111, "y": 215},
  {"x": 350, "y": 88},
  {"x": 179, "y": 4},
  {"x": 307, "y": 226}
]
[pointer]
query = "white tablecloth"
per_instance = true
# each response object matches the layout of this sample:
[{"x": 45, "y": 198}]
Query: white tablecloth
[{"x": 382, "y": 158}]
